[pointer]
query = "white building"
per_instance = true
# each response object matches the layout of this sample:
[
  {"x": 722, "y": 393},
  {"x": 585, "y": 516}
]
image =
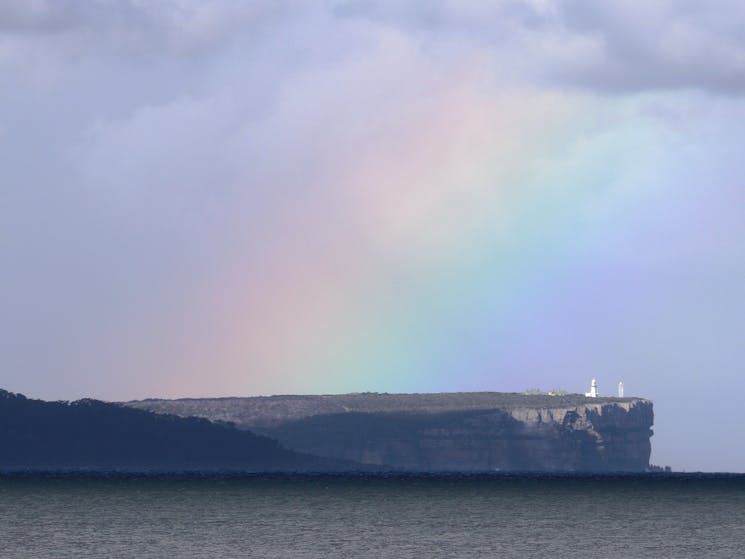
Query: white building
[
  {"x": 593, "y": 393},
  {"x": 620, "y": 389}
]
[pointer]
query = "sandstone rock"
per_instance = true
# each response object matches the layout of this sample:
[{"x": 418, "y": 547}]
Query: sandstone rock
[{"x": 482, "y": 431}]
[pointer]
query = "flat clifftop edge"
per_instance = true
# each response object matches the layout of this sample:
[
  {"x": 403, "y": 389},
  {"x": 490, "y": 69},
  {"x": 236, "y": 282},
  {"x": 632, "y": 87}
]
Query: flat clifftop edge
[
  {"x": 268, "y": 410},
  {"x": 477, "y": 397},
  {"x": 396, "y": 402}
]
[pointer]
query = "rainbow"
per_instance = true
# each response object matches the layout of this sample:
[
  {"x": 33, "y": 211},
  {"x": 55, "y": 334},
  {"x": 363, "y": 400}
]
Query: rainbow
[{"x": 417, "y": 262}]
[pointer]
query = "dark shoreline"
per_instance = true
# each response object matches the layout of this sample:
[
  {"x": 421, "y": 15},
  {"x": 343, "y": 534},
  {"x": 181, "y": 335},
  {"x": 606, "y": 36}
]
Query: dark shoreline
[{"x": 6, "y": 475}]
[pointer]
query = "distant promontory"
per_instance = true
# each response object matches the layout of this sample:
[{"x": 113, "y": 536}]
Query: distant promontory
[
  {"x": 476, "y": 431},
  {"x": 446, "y": 432}
]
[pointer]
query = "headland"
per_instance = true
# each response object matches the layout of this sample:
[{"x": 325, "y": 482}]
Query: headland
[{"x": 461, "y": 431}]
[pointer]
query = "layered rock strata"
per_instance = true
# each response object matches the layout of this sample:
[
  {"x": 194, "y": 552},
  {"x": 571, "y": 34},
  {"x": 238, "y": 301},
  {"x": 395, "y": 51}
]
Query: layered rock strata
[{"x": 483, "y": 431}]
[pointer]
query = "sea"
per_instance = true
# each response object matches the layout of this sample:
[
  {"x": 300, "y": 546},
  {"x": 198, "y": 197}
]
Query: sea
[{"x": 499, "y": 515}]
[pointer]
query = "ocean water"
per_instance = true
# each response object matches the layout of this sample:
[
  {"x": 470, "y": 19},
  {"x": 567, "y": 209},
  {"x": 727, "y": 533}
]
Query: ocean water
[{"x": 676, "y": 516}]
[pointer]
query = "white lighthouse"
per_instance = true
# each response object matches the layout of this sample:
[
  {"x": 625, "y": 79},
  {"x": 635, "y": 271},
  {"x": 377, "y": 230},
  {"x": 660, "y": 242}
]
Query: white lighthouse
[
  {"x": 593, "y": 393},
  {"x": 620, "y": 389}
]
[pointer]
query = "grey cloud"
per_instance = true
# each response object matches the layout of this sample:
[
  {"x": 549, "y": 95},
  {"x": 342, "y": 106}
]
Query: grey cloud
[
  {"x": 39, "y": 16},
  {"x": 600, "y": 46},
  {"x": 661, "y": 46},
  {"x": 180, "y": 27}
]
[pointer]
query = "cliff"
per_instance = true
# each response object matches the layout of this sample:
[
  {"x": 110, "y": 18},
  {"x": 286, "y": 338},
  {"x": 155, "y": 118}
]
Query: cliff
[
  {"x": 94, "y": 435},
  {"x": 479, "y": 431}
]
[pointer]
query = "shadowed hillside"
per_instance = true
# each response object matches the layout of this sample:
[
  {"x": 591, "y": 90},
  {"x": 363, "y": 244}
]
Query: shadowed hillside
[{"x": 89, "y": 434}]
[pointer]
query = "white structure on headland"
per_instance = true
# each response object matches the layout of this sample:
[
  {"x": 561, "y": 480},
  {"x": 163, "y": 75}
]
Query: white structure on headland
[
  {"x": 593, "y": 393},
  {"x": 620, "y": 389}
]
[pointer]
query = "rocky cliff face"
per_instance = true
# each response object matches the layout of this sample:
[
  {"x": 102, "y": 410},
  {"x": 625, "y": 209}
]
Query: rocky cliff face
[
  {"x": 446, "y": 432},
  {"x": 602, "y": 437}
]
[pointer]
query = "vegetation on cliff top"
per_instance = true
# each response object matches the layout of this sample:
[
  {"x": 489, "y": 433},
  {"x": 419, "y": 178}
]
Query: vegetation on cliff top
[{"x": 263, "y": 410}]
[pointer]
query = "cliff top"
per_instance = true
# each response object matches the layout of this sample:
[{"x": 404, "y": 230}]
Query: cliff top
[{"x": 260, "y": 410}]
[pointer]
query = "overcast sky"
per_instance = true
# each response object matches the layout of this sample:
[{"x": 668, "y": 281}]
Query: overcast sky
[{"x": 237, "y": 198}]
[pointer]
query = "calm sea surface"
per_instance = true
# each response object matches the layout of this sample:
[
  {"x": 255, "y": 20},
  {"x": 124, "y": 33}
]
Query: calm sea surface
[{"x": 406, "y": 516}]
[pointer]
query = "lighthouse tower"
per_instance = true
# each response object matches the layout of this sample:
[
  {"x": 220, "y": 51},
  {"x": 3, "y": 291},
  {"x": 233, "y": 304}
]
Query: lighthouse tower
[
  {"x": 620, "y": 389},
  {"x": 593, "y": 393}
]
